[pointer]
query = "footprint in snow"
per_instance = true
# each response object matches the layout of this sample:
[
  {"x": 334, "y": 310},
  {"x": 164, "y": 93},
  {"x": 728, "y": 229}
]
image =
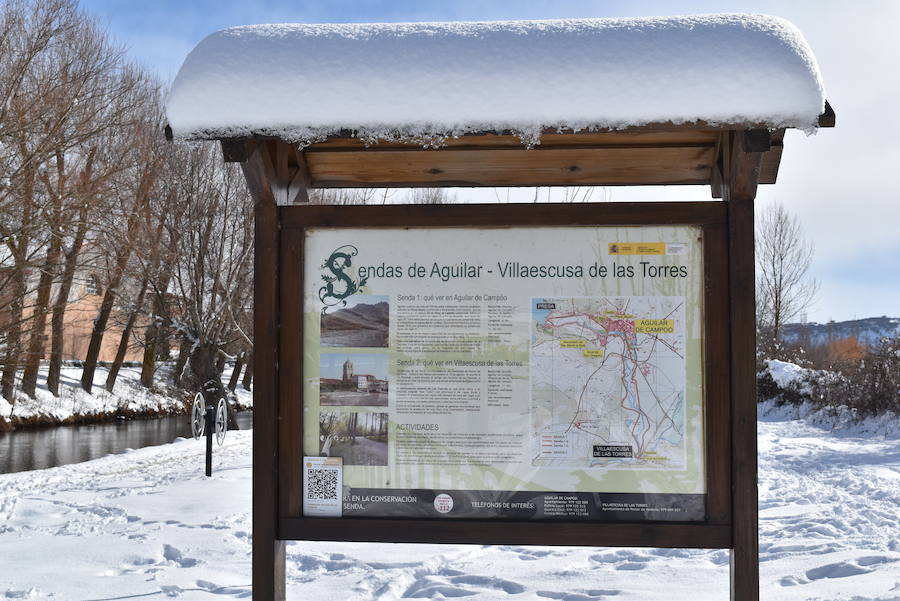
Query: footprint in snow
[
  {"x": 842, "y": 569},
  {"x": 792, "y": 581},
  {"x": 429, "y": 586},
  {"x": 874, "y": 560},
  {"x": 398, "y": 565},
  {"x": 507, "y": 586},
  {"x": 526, "y": 554},
  {"x": 623, "y": 555},
  {"x": 174, "y": 555},
  {"x": 31, "y": 593},
  {"x": 335, "y": 562},
  {"x": 237, "y": 592},
  {"x": 783, "y": 550},
  {"x": 579, "y": 595},
  {"x": 171, "y": 590}
]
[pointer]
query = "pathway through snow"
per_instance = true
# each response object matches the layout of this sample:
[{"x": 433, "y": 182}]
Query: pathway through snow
[{"x": 147, "y": 525}]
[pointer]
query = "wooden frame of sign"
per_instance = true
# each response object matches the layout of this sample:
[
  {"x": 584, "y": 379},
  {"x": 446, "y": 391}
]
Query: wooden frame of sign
[
  {"x": 732, "y": 160},
  {"x": 713, "y": 532}
]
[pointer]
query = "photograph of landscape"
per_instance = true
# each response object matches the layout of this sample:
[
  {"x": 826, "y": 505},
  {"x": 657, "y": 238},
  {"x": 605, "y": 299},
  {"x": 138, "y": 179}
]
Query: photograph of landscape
[
  {"x": 359, "y": 438},
  {"x": 363, "y": 322}
]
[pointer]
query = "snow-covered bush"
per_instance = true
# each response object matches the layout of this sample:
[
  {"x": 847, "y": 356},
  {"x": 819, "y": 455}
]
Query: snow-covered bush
[
  {"x": 869, "y": 384},
  {"x": 785, "y": 382},
  {"x": 873, "y": 381}
]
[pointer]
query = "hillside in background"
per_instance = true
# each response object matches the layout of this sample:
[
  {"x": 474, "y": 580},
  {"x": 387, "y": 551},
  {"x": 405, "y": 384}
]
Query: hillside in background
[
  {"x": 868, "y": 331},
  {"x": 362, "y": 325},
  {"x": 359, "y": 317}
]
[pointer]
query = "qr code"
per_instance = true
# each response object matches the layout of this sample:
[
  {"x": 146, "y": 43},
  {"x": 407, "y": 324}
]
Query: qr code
[{"x": 323, "y": 484}]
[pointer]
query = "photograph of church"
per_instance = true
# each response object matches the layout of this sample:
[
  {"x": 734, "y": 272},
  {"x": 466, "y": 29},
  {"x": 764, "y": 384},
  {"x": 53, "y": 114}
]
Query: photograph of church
[{"x": 353, "y": 380}]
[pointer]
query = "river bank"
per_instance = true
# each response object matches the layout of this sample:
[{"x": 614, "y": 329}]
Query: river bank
[
  {"x": 29, "y": 449},
  {"x": 128, "y": 401}
]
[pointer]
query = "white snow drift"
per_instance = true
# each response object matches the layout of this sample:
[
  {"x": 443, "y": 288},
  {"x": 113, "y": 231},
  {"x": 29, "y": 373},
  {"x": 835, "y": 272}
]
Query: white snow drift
[{"x": 428, "y": 80}]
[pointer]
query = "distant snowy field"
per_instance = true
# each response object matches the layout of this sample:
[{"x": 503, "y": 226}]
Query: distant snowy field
[{"x": 147, "y": 525}]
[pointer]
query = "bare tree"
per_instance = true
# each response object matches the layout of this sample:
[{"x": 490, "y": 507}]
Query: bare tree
[
  {"x": 157, "y": 333},
  {"x": 85, "y": 104},
  {"x": 236, "y": 371},
  {"x": 367, "y": 196},
  {"x": 129, "y": 210},
  {"x": 117, "y": 103},
  {"x": 247, "y": 380},
  {"x": 343, "y": 196},
  {"x": 38, "y": 42},
  {"x": 785, "y": 287},
  {"x": 212, "y": 273},
  {"x": 133, "y": 313},
  {"x": 430, "y": 196}
]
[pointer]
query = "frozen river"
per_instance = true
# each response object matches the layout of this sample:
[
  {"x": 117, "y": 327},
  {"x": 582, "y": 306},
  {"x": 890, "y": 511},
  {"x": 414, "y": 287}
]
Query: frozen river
[{"x": 24, "y": 450}]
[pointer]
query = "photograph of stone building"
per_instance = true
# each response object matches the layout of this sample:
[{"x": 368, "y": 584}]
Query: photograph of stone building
[{"x": 353, "y": 379}]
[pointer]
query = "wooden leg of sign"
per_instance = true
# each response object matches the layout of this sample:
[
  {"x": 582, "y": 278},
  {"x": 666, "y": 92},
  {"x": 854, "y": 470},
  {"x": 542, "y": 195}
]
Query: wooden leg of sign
[
  {"x": 268, "y": 551},
  {"x": 742, "y": 175}
]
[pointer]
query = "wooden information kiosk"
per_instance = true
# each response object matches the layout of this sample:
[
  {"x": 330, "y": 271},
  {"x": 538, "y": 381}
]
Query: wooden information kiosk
[{"x": 438, "y": 336}]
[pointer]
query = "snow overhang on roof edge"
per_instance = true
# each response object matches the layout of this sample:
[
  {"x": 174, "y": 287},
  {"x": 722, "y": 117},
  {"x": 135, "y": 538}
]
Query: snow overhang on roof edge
[{"x": 428, "y": 81}]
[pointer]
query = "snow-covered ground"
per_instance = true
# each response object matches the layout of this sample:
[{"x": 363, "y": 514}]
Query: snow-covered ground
[{"x": 147, "y": 525}]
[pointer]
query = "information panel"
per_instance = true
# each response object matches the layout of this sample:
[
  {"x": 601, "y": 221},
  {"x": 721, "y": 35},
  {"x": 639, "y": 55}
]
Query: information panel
[{"x": 546, "y": 373}]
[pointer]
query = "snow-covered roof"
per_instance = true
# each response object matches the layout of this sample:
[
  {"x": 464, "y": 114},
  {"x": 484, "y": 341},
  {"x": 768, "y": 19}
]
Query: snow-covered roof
[{"x": 424, "y": 80}]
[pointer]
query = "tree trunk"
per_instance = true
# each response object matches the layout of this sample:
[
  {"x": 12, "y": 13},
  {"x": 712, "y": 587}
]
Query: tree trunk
[
  {"x": 14, "y": 336},
  {"x": 109, "y": 296},
  {"x": 148, "y": 362},
  {"x": 201, "y": 375},
  {"x": 62, "y": 299},
  {"x": 100, "y": 322},
  {"x": 183, "y": 352},
  {"x": 39, "y": 318},
  {"x": 155, "y": 334},
  {"x": 248, "y": 374},
  {"x": 106, "y": 307},
  {"x": 236, "y": 372},
  {"x": 18, "y": 249},
  {"x": 86, "y": 201},
  {"x": 220, "y": 363},
  {"x": 126, "y": 334}
]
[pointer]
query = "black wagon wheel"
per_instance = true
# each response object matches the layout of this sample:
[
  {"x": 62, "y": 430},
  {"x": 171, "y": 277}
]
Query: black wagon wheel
[
  {"x": 198, "y": 417},
  {"x": 221, "y": 421}
]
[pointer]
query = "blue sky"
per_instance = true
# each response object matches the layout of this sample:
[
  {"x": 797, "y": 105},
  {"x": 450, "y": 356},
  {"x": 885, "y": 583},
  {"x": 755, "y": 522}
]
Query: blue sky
[{"x": 840, "y": 182}]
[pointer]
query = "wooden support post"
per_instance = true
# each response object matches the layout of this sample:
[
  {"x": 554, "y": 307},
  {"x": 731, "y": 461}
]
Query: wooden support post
[
  {"x": 741, "y": 173},
  {"x": 268, "y": 551},
  {"x": 290, "y": 176}
]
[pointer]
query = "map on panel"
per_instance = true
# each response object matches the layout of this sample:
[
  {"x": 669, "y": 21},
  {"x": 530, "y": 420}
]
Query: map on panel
[{"x": 608, "y": 382}]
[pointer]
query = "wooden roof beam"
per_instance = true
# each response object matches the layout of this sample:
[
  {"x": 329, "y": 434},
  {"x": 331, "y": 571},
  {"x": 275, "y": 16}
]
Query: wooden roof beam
[
  {"x": 741, "y": 166},
  {"x": 828, "y": 118},
  {"x": 475, "y": 167},
  {"x": 285, "y": 166}
]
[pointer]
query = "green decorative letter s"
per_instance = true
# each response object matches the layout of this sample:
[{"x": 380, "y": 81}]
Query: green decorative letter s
[{"x": 339, "y": 260}]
